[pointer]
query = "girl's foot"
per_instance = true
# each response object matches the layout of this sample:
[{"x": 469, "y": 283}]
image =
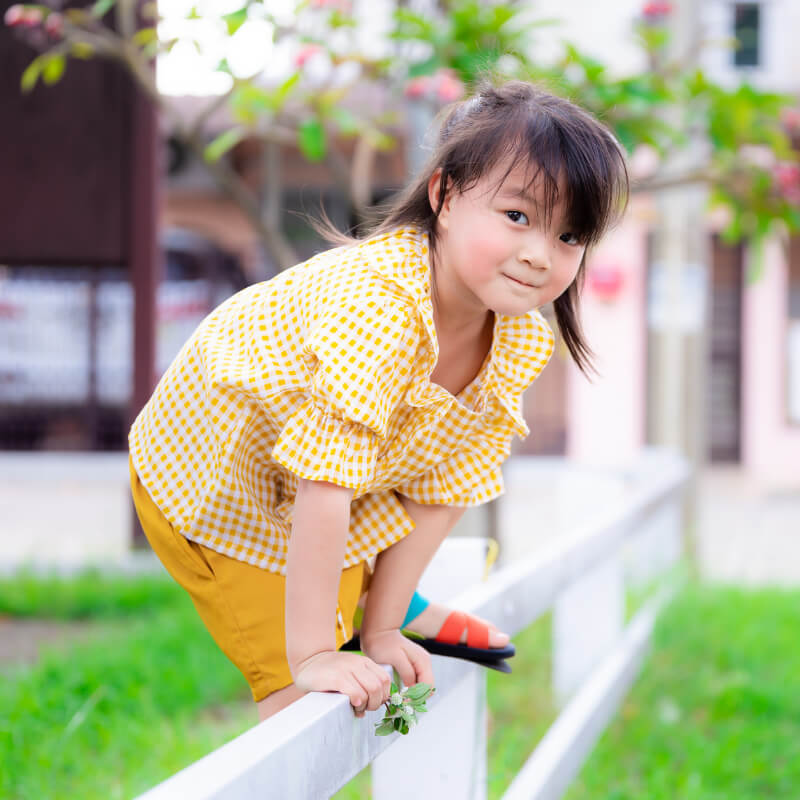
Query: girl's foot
[{"x": 430, "y": 622}]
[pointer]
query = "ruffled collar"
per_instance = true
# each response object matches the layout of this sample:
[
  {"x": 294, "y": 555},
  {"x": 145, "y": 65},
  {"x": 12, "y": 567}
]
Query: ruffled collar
[{"x": 521, "y": 346}]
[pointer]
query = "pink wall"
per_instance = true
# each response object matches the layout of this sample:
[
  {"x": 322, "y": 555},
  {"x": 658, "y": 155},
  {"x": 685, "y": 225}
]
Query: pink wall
[
  {"x": 771, "y": 446},
  {"x": 606, "y": 416}
]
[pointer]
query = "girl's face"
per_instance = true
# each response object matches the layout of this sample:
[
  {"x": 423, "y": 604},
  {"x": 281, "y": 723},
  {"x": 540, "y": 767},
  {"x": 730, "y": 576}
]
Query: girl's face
[{"x": 495, "y": 250}]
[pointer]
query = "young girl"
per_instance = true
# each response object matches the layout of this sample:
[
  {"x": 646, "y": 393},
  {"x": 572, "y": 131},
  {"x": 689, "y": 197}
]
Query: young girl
[{"x": 344, "y": 413}]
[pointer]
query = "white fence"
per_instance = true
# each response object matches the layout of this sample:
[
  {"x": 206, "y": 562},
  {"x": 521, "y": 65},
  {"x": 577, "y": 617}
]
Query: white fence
[{"x": 314, "y": 747}]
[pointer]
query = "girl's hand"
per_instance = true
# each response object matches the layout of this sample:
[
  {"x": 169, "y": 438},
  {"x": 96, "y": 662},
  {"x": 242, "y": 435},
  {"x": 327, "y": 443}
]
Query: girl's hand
[
  {"x": 360, "y": 678},
  {"x": 412, "y": 662}
]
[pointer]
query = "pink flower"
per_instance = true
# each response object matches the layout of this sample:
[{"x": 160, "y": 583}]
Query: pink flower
[
  {"x": 335, "y": 5},
  {"x": 791, "y": 119},
  {"x": 787, "y": 176},
  {"x": 33, "y": 17},
  {"x": 306, "y": 52},
  {"x": 792, "y": 194},
  {"x": 443, "y": 87},
  {"x": 54, "y": 25},
  {"x": 417, "y": 87},
  {"x": 14, "y": 16},
  {"x": 656, "y": 10},
  {"x": 449, "y": 87}
]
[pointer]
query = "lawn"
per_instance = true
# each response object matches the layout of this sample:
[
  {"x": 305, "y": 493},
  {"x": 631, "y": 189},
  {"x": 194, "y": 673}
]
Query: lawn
[{"x": 715, "y": 714}]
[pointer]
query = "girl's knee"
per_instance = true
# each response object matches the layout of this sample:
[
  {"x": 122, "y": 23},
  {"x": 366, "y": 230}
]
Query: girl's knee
[{"x": 277, "y": 701}]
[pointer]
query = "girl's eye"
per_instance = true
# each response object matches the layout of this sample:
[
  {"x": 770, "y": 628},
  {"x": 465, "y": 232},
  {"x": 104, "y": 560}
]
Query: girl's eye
[
  {"x": 516, "y": 216},
  {"x": 569, "y": 238}
]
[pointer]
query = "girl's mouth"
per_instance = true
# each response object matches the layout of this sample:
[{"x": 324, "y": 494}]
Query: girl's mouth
[{"x": 519, "y": 283}]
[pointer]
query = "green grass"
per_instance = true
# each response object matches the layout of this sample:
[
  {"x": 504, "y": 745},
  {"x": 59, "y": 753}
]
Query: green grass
[
  {"x": 108, "y": 718},
  {"x": 715, "y": 714},
  {"x": 89, "y": 594}
]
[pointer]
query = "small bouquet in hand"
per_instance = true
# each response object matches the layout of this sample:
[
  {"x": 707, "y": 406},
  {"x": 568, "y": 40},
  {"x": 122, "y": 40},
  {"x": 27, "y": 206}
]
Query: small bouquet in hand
[{"x": 402, "y": 708}]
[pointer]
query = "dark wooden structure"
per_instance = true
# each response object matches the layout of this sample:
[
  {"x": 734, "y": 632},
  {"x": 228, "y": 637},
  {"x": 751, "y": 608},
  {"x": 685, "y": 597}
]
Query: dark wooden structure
[
  {"x": 724, "y": 410},
  {"x": 78, "y": 167},
  {"x": 79, "y": 171}
]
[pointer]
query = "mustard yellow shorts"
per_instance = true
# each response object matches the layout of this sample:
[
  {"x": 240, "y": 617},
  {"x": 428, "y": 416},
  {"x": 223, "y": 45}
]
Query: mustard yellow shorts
[{"x": 241, "y": 605}]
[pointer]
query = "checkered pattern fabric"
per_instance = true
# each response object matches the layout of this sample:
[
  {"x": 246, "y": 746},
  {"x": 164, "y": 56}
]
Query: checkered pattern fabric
[{"x": 323, "y": 373}]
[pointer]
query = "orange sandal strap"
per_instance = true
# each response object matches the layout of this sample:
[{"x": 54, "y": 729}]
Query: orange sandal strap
[{"x": 477, "y": 631}]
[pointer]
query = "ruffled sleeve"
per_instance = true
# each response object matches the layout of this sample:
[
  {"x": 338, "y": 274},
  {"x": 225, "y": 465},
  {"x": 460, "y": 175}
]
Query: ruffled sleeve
[
  {"x": 360, "y": 358},
  {"x": 469, "y": 477}
]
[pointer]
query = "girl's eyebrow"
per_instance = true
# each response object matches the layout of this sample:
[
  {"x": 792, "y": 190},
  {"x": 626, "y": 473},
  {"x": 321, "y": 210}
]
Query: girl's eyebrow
[{"x": 517, "y": 192}]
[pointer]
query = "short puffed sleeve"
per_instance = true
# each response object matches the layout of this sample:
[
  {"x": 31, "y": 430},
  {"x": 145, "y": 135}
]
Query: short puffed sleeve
[
  {"x": 360, "y": 356},
  {"x": 469, "y": 477}
]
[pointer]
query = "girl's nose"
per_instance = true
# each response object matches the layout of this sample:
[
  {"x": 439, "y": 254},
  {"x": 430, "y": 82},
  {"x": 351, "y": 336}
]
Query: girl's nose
[{"x": 536, "y": 253}]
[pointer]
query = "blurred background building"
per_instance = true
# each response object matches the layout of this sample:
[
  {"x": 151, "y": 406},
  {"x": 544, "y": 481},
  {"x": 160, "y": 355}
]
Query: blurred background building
[{"x": 697, "y": 342}]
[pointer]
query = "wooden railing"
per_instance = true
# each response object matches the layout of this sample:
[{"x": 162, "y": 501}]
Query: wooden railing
[{"x": 315, "y": 746}]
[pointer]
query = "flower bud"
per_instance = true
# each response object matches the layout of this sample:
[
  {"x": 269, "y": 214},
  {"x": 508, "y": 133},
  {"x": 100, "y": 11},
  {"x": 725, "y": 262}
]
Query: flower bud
[
  {"x": 306, "y": 52},
  {"x": 54, "y": 25},
  {"x": 33, "y": 17},
  {"x": 15, "y": 15}
]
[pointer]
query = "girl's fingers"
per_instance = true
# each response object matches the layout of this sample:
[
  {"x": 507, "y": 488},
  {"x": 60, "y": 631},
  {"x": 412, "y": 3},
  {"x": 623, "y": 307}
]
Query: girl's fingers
[
  {"x": 372, "y": 684},
  {"x": 385, "y": 680},
  {"x": 421, "y": 666},
  {"x": 356, "y": 694},
  {"x": 406, "y": 668}
]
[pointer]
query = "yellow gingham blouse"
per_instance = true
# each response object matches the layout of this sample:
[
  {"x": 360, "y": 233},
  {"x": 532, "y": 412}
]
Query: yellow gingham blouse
[{"x": 323, "y": 372}]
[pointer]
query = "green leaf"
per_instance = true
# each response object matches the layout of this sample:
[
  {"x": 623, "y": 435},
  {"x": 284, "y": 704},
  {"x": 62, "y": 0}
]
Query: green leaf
[
  {"x": 235, "y": 20},
  {"x": 224, "y": 66},
  {"x": 427, "y": 67},
  {"x": 54, "y": 69},
  {"x": 346, "y": 120},
  {"x": 378, "y": 139},
  {"x": 224, "y": 142},
  {"x": 281, "y": 94},
  {"x": 81, "y": 50},
  {"x": 311, "y": 139},
  {"x": 419, "y": 691},
  {"x": 102, "y": 7},
  {"x": 384, "y": 728},
  {"x": 144, "y": 36},
  {"x": 31, "y": 74}
]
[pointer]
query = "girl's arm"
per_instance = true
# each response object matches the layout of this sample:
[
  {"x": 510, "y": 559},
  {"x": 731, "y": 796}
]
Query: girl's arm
[
  {"x": 316, "y": 555},
  {"x": 320, "y": 525},
  {"x": 399, "y": 568},
  {"x": 314, "y": 566}
]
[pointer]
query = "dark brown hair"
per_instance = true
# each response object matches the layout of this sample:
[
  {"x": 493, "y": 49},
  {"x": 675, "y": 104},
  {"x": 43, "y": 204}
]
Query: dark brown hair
[{"x": 515, "y": 123}]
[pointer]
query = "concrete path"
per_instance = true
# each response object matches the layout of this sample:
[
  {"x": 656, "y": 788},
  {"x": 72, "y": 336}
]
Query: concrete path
[{"x": 747, "y": 534}]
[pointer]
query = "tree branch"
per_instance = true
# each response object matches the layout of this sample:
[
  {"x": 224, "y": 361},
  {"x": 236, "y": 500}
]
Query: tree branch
[{"x": 657, "y": 183}]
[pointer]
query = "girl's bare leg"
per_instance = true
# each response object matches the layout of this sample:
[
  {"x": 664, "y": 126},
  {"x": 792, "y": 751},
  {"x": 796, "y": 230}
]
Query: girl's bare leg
[{"x": 277, "y": 701}]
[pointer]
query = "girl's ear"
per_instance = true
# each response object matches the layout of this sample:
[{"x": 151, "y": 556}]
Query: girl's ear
[{"x": 434, "y": 196}]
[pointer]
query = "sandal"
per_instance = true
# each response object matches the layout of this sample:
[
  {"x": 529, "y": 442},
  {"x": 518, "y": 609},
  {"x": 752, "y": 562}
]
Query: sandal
[{"x": 476, "y": 649}]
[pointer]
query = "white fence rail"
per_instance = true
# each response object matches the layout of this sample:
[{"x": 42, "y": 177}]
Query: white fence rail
[{"x": 314, "y": 747}]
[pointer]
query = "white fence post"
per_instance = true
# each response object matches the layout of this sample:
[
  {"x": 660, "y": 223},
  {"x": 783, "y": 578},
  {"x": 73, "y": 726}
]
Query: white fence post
[
  {"x": 588, "y": 617},
  {"x": 445, "y": 755}
]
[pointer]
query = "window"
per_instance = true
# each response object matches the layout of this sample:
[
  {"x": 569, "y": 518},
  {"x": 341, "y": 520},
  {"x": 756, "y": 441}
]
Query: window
[{"x": 746, "y": 29}]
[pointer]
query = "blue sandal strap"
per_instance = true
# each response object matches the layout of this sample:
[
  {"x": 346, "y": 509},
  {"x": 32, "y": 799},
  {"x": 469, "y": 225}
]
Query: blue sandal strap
[{"x": 416, "y": 607}]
